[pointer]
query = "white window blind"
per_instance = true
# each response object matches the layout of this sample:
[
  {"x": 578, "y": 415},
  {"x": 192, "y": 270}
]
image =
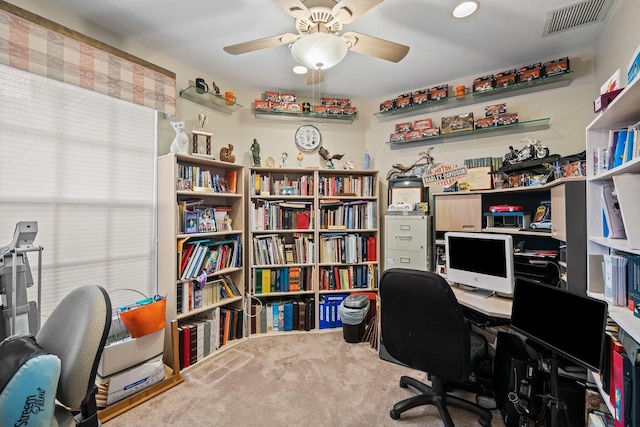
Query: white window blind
[{"x": 82, "y": 165}]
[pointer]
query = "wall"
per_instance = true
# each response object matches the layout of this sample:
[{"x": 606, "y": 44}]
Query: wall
[{"x": 617, "y": 44}]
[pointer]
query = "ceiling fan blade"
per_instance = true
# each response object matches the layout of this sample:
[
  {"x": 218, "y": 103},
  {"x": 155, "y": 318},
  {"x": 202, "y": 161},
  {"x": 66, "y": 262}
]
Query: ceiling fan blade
[
  {"x": 315, "y": 76},
  {"x": 294, "y": 8},
  {"x": 373, "y": 46},
  {"x": 253, "y": 45},
  {"x": 346, "y": 11}
]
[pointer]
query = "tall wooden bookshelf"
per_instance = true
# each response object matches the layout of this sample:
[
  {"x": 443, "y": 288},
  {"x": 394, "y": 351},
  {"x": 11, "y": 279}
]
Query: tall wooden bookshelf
[
  {"x": 201, "y": 209},
  {"x": 313, "y": 237}
]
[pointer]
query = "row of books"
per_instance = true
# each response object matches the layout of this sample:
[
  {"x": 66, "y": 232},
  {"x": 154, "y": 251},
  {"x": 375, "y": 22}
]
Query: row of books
[
  {"x": 360, "y": 186},
  {"x": 621, "y": 272},
  {"x": 283, "y": 315},
  {"x": 273, "y": 249},
  {"x": 349, "y": 277},
  {"x": 283, "y": 279},
  {"x": 208, "y": 256},
  {"x": 347, "y": 248},
  {"x": 204, "y": 334},
  {"x": 191, "y": 177},
  {"x": 623, "y": 146},
  {"x": 358, "y": 214},
  {"x": 265, "y": 184},
  {"x": 205, "y": 219},
  {"x": 192, "y": 295},
  {"x": 280, "y": 215},
  {"x": 494, "y": 162}
]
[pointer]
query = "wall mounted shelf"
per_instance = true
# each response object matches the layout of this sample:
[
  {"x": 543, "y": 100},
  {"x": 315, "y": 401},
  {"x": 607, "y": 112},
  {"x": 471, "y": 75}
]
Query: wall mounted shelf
[
  {"x": 531, "y": 125},
  {"x": 210, "y": 100},
  {"x": 305, "y": 116},
  {"x": 538, "y": 85}
]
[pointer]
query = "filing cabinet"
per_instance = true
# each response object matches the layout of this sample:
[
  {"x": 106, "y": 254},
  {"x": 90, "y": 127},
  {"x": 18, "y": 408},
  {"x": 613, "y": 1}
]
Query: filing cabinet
[{"x": 407, "y": 241}]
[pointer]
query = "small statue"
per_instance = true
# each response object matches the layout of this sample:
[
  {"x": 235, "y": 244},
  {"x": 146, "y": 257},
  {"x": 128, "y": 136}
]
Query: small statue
[
  {"x": 367, "y": 160},
  {"x": 180, "y": 144},
  {"x": 270, "y": 162},
  {"x": 300, "y": 157},
  {"x": 283, "y": 160},
  {"x": 226, "y": 154},
  {"x": 255, "y": 152},
  {"x": 328, "y": 158},
  {"x": 348, "y": 165},
  {"x": 215, "y": 88}
]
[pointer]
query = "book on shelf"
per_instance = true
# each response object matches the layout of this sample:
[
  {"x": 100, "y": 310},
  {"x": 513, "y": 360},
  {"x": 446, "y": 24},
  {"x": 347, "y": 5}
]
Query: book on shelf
[
  {"x": 612, "y": 226},
  {"x": 231, "y": 177},
  {"x": 620, "y": 147},
  {"x": 615, "y": 279},
  {"x": 632, "y": 280},
  {"x": 627, "y": 191}
]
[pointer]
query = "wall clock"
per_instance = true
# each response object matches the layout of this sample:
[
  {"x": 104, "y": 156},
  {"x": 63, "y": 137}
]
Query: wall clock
[{"x": 308, "y": 138}]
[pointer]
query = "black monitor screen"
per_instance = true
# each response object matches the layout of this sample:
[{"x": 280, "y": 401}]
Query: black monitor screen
[
  {"x": 569, "y": 324},
  {"x": 486, "y": 256}
]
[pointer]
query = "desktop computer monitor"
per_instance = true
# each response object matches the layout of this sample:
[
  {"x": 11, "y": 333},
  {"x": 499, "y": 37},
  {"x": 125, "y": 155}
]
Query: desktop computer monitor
[
  {"x": 481, "y": 260},
  {"x": 568, "y": 324}
]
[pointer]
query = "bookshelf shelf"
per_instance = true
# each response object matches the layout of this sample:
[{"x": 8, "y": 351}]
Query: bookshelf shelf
[
  {"x": 305, "y": 116},
  {"x": 218, "y": 252},
  {"x": 353, "y": 194},
  {"x": 474, "y": 98}
]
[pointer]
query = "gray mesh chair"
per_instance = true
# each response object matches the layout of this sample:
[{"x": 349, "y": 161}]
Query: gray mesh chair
[
  {"x": 76, "y": 331},
  {"x": 422, "y": 326}
]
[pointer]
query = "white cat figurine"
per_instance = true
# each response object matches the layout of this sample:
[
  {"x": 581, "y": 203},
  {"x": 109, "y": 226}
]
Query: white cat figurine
[{"x": 181, "y": 141}]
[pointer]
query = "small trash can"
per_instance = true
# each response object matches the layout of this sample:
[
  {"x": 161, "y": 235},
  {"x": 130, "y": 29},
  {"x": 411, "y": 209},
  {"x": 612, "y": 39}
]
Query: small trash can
[{"x": 352, "y": 311}]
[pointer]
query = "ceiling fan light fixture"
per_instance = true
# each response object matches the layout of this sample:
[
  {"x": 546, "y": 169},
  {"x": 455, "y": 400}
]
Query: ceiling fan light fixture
[
  {"x": 464, "y": 9},
  {"x": 299, "y": 69},
  {"x": 319, "y": 51}
]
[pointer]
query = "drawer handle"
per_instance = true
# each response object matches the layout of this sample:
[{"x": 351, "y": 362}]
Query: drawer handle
[
  {"x": 405, "y": 227},
  {"x": 405, "y": 260},
  {"x": 403, "y": 237}
]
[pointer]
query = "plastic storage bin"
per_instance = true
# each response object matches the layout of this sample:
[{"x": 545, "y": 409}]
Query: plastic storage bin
[{"x": 353, "y": 310}]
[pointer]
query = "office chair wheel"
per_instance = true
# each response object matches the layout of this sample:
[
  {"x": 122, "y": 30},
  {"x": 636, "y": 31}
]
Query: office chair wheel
[
  {"x": 485, "y": 422},
  {"x": 403, "y": 384},
  {"x": 395, "y": 415}
]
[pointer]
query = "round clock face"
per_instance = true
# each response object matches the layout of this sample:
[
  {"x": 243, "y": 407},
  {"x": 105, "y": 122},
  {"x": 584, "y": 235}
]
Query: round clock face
[{"x": 308, "y": 138}]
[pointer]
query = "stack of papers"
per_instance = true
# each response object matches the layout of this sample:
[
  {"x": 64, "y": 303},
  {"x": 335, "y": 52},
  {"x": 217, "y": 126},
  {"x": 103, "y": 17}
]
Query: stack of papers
[{"x": 615, "y": 279}]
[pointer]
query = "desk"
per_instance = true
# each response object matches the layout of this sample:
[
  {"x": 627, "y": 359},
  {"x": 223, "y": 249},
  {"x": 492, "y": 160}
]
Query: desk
[{"x": 494, "y": 306}]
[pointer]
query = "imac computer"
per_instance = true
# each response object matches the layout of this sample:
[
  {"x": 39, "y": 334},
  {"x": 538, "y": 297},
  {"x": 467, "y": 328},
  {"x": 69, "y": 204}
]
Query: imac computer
[{"x": 483, "y": 261}]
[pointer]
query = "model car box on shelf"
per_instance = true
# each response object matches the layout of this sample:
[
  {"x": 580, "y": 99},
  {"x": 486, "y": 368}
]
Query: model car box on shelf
[
  {"x": 507, "y": 119},
  {"x": 319, "y": 108},
  {"x": 530, "y": 72},
  {"x": 403, "y": 127},
  {"x": 403, "y": 100},
  {"x": 334, "y": 109},
  {"x": 556, "y": 67},
  {"x": 457, "y": 123},
  {"x": 388, "y": 105},
  {"x": 261, "y": 104},
  {"x": 422, "y": 124},
  {"x": 413, "y": 134},
  {"x": 485, "y": 122},
  {"x": 495, "y": 110},
  {"x": 272, "y": 96},
  {"x": 506, "y": 78},
  {"x": 439, "y": 92},
  {"x": 397, "y": 137},
  {"x": 484, "y": 83},
  {"x": 421, "y": 96},
  {"x": 349, "y": 110}
]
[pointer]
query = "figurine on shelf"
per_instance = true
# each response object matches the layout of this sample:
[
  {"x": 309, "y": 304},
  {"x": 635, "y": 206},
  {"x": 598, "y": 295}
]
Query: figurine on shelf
[
  {"x": 420, "y": 167},
  {"x": 300, "y": 158},
  {"x": 328, "y": 158},
  {"x": 270, "y": 162},
  {"x": 348, "y": 165},
  {"x": 216, "y": 89},
  {"x": 283, "y": 160},
  {"x": 367, "y": 160},
  {"x": 180, "y": 144},
  {"x": 226, "y": 154},
  {"x": 255, "y": 153}
]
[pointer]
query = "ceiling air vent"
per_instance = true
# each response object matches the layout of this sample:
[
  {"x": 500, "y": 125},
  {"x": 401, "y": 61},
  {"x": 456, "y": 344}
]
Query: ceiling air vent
[{"x": 576, "y": 15}]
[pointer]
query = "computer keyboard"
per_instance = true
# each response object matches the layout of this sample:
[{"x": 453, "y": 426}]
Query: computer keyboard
[{"x": 481, "y": 320}]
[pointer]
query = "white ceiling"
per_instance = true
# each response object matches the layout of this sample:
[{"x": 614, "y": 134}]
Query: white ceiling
[{"x": 502, "y": 34}]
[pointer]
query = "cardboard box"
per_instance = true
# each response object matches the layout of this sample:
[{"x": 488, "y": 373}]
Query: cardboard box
[
  {"x": 320, "y": 108},
  {"x": 485, "y": 122},
  {"x": 439, "y": 92},
  {"x": 328, "y": 101},
  {"x": 484, "y": 83},
  {"x": 457, "y": 123},
  {"x": 506, "y": 78},
  {"x": 272, "y": 96},
  {"x": 334, "y": 109},
  {"x": 530, "y": 72},
  {"x": 133, "y": 380},
  {"x": 403, "y": 127},
  {"x": 349, "y": 110},
  {"x": 124, "y": 354},
  {"x": 556, "y": 67},
  {"x": 403, "y": 101},
  {"x": 421, "y": 96},
  {"x": 494, "y": 110},
  {"x": 288, "y": 97},
  {"x": 507, "y": 119},
  {"x": 262, "y": 105},
  {"x": 388, "y": 105},
  {"x": 422, "y": 123}
]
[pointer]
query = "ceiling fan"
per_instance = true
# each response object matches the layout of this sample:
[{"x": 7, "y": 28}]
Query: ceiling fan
[{"x": 325, "y": 19}]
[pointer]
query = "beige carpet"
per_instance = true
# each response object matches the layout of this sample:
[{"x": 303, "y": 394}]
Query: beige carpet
[{"x": 307, "y": 379}]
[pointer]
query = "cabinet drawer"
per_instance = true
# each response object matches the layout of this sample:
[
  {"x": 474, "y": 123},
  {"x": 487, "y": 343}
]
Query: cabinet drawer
[
  {"x": 407, "y": 259},
  {"x": 406, "y": 234},
  {"x": 459, "y": 212}
]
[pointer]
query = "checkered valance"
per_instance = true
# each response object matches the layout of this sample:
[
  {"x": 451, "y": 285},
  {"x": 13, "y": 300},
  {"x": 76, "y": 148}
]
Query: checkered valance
[{"x": 35, "y": 44}]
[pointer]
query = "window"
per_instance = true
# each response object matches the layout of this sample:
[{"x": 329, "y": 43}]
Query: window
[{"x": 82, "y": 165}]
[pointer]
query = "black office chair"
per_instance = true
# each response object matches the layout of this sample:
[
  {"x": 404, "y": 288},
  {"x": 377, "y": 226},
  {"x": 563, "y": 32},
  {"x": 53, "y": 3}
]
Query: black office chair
[{"x": 422, "y": 326}]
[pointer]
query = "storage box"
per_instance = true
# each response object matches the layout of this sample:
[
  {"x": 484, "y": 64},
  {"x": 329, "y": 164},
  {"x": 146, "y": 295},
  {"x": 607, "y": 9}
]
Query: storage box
[
  {"x": 439, "y": 92},
  {"x": 124, "y": 354},
  {"x": 530, "y": 72},
  {"x": 272, "y": 96},
  {"x": 262, "y": 105},
  {"x": 420, "y": 96},
  {"x": 457, "y": 123},
  {"x": 388, "y": 105},
  {"x": 131, "y": 381},
  {"x": 403, "y": 127},
  {"x": 494, "y": 110},
  {"x": 484, "y": 83},
  {"x": 403, "y": 101},
  {"x": 555, "y": 67},
  {"x": 423, "y": 124},
  {"x": 506, "y": 78},
  {"x": 507, "y": 119}
]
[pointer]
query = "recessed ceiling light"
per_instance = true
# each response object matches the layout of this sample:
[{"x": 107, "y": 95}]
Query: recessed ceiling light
[
  {"x": 299, "y": 69},
  {"x": 464, "y": 9}
]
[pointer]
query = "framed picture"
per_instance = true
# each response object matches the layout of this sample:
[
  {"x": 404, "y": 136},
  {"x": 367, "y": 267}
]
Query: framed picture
[{"x": 411, "y": 195}]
